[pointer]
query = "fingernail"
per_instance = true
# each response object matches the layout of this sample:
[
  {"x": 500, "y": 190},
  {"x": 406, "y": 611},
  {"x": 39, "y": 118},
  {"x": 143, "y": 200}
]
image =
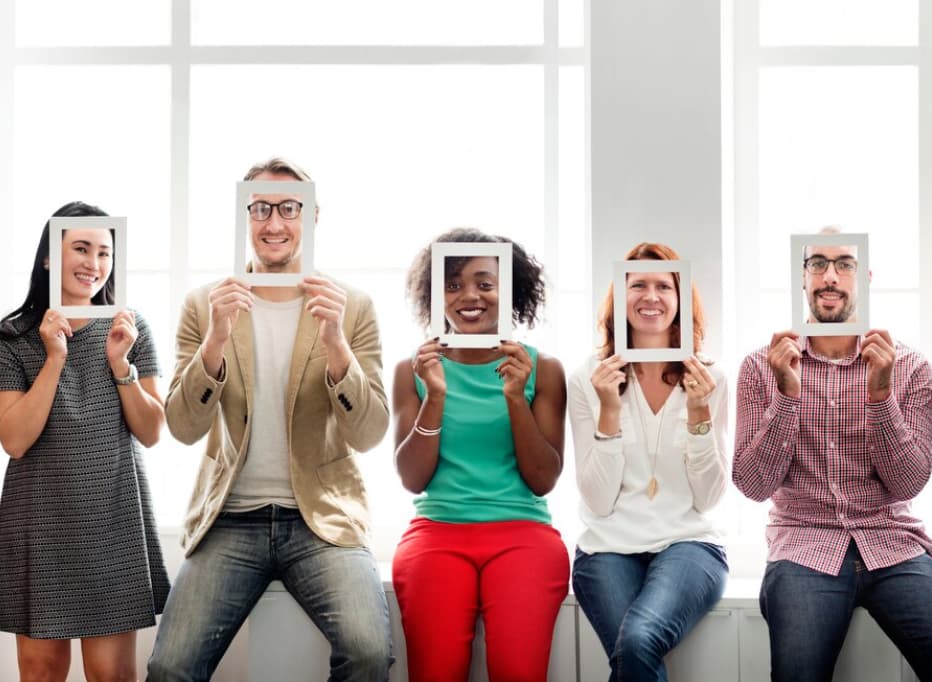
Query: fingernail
[
  {"x": 437, "y": 338},
  {"x": 443, "y": 345}
]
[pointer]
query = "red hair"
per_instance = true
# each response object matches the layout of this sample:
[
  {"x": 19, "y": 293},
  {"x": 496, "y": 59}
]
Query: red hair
[{"x": 606, "y": 315}]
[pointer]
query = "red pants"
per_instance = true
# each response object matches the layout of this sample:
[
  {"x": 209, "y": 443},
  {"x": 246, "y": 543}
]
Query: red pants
[{"x": 513, "y": 573}]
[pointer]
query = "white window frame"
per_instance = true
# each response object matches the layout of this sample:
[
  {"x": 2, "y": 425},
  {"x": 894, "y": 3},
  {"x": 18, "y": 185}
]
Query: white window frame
[{"x": 181, "y": 56}]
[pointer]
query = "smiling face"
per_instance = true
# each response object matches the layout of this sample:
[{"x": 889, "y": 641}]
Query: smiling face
[
  {"x": 651, "y": 307},
  {"x": 471, "y": 296},
  {"x": 832, "y": 294},
  {"x": 276, "y": 241},
  {"x": 86, "y": 264}
]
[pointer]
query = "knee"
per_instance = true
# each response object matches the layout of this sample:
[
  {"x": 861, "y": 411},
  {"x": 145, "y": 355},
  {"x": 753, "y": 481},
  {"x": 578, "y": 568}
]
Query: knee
[
  {"x": 111, "y": 671},
  {"x": 162, "y": 668},
  {"x": 368, "y": 655},
  {"x": 38, "y": 668},
  {"x": 641, "y": 636}
]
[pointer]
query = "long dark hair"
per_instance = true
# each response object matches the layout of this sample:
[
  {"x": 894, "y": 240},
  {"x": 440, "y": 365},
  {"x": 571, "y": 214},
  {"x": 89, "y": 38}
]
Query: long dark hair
[{"x": 30, "y": 313}]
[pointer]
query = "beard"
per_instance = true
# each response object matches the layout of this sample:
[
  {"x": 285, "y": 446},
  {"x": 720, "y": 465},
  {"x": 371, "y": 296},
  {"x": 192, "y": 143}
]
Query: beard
[{"x": 841, "y": 314}]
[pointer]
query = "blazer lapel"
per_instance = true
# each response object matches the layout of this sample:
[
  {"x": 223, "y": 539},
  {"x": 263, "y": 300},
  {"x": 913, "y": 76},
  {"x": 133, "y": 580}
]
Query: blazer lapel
[
  {"x": 305, "y": 340},
  {"x": 243, "y": 347}
]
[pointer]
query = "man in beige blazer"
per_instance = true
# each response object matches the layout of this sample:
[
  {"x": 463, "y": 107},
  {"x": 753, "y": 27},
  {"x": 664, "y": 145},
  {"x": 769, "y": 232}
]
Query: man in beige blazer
[{"x": 285, "y": 382}]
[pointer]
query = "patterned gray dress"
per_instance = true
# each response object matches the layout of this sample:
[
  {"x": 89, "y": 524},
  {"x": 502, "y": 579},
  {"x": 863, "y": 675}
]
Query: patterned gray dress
[{"x": 79, "y": 549}]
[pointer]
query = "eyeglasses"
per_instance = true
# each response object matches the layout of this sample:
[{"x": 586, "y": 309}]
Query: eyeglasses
[
  {"x": 844, "y": 266},
  {"x": 289, "y": 209}
]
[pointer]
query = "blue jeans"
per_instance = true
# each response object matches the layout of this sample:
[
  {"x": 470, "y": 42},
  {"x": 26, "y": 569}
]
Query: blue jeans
[
  {"x": 808, "y": 613},
  {"x": 217, "y": 586},
  {"x": 642, "y": 605}
]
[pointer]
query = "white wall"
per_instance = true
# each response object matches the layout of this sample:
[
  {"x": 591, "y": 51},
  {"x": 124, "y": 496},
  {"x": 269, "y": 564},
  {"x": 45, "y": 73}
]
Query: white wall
[{"x": 656, "y": 140}]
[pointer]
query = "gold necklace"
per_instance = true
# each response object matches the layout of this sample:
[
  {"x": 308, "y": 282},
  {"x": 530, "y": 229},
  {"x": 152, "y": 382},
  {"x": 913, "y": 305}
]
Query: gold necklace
[{"x": 652, "y": 485}]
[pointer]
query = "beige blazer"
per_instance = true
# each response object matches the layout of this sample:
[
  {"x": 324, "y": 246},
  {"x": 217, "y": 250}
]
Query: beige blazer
[{"x": 325, "y": 424}]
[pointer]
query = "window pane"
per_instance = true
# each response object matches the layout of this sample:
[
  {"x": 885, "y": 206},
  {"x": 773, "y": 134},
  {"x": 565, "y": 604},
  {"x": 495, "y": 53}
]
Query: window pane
[
  {"x": 399, "y": 154},
  {"x": 899, "y": 313},
  {"x": 93, "y": 22},
  {"x": 839, "y": 145},
  {"x": 839, "y": 22},
  {"x": 367, "y": 22},
  {"x": 572, "y": 23},
  {"x": 99, "y": 134},
  {"x": 573, "y": 241}
]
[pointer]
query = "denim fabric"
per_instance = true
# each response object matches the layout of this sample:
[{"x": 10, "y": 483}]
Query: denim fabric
[
  {"x": 808, "y": 613},
  {"x": 217, "y": 586},
  {"x": 642, "y": 605}
]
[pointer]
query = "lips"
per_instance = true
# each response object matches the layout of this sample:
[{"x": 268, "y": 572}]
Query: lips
[
  {"x": 85, "y": 279},
  {"x": 470, "y": 314},
  {"x": 830, "y": 295}
]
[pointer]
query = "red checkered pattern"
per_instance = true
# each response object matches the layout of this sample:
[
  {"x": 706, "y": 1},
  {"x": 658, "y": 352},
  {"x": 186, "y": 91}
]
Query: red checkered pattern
[{"x": 836, "y": 466}]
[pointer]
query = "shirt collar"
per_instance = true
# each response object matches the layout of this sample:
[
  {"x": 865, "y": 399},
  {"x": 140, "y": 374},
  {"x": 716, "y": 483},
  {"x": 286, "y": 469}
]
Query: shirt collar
[{"x": 805, "y": 345}]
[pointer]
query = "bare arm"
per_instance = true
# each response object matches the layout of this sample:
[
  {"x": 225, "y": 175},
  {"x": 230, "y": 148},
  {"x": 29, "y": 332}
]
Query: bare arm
[
  {"x": 537, "y": 429},
  {"x": 23, "y": 414},
  {"x": 417, "y": 454}
]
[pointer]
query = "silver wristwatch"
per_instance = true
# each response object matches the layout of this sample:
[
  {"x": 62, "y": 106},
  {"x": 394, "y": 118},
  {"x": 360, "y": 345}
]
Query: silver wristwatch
[{"x": 130, "y": 378}]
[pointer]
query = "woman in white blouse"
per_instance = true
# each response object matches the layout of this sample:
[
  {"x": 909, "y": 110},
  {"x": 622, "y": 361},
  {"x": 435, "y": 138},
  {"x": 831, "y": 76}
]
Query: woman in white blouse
[{"x": 650, "y": 462}]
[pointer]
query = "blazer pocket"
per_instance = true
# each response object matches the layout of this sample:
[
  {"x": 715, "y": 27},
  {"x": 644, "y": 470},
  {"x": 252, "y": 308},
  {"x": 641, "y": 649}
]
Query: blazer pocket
[{"x": 342, "y": 481}]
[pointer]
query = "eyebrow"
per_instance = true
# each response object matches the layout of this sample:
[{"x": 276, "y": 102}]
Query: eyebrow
[{"x": 84, "y": 242}]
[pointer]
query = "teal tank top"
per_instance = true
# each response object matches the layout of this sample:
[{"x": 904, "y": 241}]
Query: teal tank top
[{"x": 477, "y": 477}]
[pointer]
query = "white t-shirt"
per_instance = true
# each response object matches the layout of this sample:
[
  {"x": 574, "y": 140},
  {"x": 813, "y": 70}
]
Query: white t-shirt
[
  {"x": 613, "y": 475},
  {"x": 266, "y": 475}
]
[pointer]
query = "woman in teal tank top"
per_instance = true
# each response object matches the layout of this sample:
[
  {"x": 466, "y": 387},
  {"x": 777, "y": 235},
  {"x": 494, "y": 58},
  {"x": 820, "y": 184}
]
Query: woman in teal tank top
[{"x": 479, "y": 436}]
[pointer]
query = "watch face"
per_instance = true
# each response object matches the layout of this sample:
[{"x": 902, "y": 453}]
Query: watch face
[{"x": 700, "y": 429}]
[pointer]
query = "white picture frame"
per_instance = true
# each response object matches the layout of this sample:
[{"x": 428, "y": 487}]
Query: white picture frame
[
  {"x": 57, "y": 228},
  {"x": 798, "y": 245},
  {"x": 302, "y": 189},
  {"x": 443, "y": 250},
  {"x": 621, "y": 269}
]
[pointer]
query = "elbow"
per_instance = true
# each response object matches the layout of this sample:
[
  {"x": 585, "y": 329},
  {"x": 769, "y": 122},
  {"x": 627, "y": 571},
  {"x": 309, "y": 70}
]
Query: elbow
[
  {"x": 181, "y": 435},
  {"x": 364, "y": 439},
  {"x": 413, "y": 484},
  {"x": 907, "y": 490},
  {"x": 14, "y": 451},
  {"x": 148, "y": 440},
  {"x": 708, "y": 502},
  {"x": 541, "y": 488}
]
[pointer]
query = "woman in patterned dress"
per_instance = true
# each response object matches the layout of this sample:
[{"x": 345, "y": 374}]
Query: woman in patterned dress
[{"x": 79, "y": 551}]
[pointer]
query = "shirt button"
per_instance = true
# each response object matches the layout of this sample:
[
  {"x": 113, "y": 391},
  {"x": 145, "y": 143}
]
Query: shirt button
[
  {"x": 841, "y": 515},
  {"x": 831, "y": 403},
  {"x": 785, "y": 443},
  {"x": 832, "y": 444}
]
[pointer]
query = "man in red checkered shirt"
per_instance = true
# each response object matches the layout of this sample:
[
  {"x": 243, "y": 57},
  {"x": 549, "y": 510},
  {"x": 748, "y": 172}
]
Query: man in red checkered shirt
[{"x": 837, "y": 431}]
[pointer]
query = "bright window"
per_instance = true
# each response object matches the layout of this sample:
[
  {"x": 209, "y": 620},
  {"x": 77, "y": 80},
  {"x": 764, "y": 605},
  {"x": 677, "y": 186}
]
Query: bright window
[{"x": 412, "y": 119}]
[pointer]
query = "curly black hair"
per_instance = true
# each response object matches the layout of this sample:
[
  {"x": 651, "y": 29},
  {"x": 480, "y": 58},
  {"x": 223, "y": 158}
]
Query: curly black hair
[{"x": 528, "y": 287}]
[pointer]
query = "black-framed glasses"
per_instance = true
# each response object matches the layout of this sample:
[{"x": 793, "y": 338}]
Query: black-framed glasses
[
  {"x": 289, "y": 209},
  {"x": 845, "y": 266}
]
